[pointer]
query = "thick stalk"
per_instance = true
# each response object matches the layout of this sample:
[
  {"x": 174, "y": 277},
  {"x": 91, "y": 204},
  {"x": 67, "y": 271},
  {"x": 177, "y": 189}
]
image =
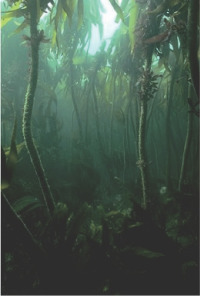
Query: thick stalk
[
  {"x": 35, "y": 39},
  {"x": 141, "y": 150},
  {"x": 144, "y": 97},
  {"x": 186, "y": 146}
]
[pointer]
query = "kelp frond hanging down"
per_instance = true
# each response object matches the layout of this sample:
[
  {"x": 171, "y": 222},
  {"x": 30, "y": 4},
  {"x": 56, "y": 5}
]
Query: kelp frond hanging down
[
  {"x": 67, "y": 10},
  {"x": 60, "y": 11},
  {"x": 134, "y": 10},
  {"x": 19, "y": 9},
  {"x": 8, "y": 163},
  {"x": 15, "y": 12},
  {"x": 117, "y": 9}
]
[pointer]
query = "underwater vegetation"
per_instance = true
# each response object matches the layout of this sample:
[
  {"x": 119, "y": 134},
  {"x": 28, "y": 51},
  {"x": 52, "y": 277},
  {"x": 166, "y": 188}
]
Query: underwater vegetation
[{"x": 100, "y": 152}]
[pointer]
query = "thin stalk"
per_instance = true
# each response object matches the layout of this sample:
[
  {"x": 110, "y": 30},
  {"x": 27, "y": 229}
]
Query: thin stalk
[
  {"x": 186, "y": 146},
  {"x": 111, "y": 114},
  {"x": 3, "y": 132},
  {"x": 74, "y": 101},
  {"x": 86, "y": 119},
  {"x": 35, "y": 39},
  {"x": 124, "y": 155},
  {"x": 23, "y": 234},
  {"x": 156, "y": 158},
  {"x": 96, "y": 108},
  {"x": 193, "y": 44},
  {"x": 130, "y": 110},
  {"x": 168, "y": 131}
]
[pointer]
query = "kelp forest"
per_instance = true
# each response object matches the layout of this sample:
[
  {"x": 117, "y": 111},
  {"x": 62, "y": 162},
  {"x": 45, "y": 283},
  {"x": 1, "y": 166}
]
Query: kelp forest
[{"x": 99, "y": 149}]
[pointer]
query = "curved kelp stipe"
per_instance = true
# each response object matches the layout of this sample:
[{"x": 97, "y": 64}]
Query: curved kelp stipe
[{"x": 35, "y": 39}]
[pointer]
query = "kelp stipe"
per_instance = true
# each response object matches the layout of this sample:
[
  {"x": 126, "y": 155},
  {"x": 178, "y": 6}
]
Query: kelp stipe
[
  {"x": 35, "y": 38},
  {"x": 193, "y": 83},
  {"x": 187, "y": 143},
  {"x": 144, "y": 96},
  {"x": 148, "y": 86},
  {"x": 141, "y": 163},
  {"x": 192, "y": 36}
]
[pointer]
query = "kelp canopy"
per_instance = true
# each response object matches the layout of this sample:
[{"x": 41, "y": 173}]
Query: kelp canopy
[{"x": 100, "y": 152}]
